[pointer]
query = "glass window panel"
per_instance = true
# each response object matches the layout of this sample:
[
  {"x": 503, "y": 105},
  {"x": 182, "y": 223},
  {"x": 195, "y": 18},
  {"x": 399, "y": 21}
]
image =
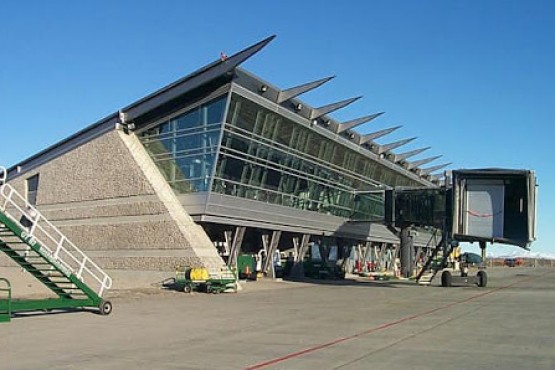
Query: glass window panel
[
  {"x": 188, "y": 120},
  {"x": 215, "y": 111},
  {"x": 184, "y": 147},
  {"x": 233, "y": 169}
]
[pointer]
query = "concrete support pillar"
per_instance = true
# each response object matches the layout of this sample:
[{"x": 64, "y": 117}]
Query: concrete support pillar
[
  {"x": 270, "y": 248},
  {"x": 301, "y": 248},
  {"x": 235, "y": 248},
  {"x": 407, "y": 252}
]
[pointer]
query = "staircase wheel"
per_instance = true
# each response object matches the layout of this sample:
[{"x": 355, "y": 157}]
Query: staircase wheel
[
  {"x": 482, "y": 279},
  {"x": 105, "y": 307},
  {"x": 187, "y": 288},
  {"x": 446, "y": 279}
]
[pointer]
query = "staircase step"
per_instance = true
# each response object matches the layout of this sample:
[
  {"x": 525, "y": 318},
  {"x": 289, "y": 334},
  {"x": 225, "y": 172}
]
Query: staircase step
[
  {"x": 426, "y": 278},
  {"x": 46, "y": 274}
]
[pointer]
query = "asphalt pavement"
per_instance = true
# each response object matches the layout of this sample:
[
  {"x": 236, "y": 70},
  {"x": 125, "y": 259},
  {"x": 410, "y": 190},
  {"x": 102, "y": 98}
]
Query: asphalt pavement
[{"x": 347, "y": 325}]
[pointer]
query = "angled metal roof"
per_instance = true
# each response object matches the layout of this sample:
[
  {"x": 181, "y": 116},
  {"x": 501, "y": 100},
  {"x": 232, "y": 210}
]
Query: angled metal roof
[
  {"x": 226, "y": 70},
  {"x": 202, "y": 76},
  {"x": 199, "y": 77}
]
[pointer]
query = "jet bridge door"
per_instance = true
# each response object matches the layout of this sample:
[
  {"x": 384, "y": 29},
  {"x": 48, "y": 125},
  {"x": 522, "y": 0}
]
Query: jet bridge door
[{"x": 494, "y": 205}]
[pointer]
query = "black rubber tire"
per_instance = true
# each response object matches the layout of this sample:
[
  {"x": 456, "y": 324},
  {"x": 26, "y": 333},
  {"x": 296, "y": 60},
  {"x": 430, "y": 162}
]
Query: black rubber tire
[
  {"x": 187, "y": 288},
  {"x": 482, "y": 279},
  {"x": 105, "y": 308},
  {"x": 446, "y": 279}
]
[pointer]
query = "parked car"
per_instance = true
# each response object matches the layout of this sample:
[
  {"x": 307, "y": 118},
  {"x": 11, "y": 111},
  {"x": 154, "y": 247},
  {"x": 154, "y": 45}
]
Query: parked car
[
  {"x": 512, "y": 262},
  {"x": 471, "y": 258}
]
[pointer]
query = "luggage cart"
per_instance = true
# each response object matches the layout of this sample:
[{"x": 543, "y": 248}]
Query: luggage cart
[{"x": 189, "y": 279}]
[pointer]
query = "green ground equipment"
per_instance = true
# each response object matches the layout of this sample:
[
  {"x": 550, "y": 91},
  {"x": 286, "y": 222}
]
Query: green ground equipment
[
  {"x": 190, "y": 279},
  {"x": 5, "y": 301},
  {"x": 36, "y": 245}
]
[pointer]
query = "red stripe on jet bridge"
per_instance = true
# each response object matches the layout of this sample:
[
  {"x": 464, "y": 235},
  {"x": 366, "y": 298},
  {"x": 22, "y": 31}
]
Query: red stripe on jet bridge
[{"x": 381, "y": 327}]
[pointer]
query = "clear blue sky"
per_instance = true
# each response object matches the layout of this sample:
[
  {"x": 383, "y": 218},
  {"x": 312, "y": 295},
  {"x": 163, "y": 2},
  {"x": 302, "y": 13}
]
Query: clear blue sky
[{"x": 473, "y": 79}]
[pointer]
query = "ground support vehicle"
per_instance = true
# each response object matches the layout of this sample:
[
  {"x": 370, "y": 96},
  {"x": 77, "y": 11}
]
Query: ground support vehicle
[
  {"x": 450, "y": 277},
  {"x": 455, "y": 269},
  {"x": 468, "y": 269},
  {"x": 189, "y": 279}
]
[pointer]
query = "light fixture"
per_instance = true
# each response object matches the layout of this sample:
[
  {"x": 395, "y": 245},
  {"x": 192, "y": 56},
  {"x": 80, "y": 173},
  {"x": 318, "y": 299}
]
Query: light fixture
[
  {"x": 122, "y": 117},
  {"x": 352, "y": 135},
  {"x": 262, "y": 89},
  {"x": 298, "y": 107}
]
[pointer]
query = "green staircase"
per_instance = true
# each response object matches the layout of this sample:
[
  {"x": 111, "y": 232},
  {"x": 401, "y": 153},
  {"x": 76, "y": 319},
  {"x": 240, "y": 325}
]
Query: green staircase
[{"x": 41, "y": 249}]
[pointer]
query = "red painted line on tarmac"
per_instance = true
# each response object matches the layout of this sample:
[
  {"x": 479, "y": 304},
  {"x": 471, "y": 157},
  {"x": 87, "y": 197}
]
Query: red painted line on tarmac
[{"x": 289, "y": 356}]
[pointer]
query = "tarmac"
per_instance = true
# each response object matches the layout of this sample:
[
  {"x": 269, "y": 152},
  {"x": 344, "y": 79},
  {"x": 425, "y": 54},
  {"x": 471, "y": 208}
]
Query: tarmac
[{"x": 316, "y": 324}]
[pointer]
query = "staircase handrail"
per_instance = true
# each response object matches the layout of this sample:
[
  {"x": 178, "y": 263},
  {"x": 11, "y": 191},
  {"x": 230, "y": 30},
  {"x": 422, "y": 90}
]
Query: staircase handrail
[
  {"x": 59, "y": 240},
  {"x": 430, "y": 259}
]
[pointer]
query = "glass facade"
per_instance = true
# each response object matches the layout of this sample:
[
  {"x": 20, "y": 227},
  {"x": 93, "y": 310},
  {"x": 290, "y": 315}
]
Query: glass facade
[
  {"x": 184, "y": 147},
  {"x": 266, "y": 157}
]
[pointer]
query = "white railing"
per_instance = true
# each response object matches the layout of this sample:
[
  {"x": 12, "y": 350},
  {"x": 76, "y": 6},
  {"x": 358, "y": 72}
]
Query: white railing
[{"x": 54, "y": 245}]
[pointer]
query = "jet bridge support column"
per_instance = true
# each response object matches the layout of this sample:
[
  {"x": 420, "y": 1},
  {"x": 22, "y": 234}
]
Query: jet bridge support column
[
  {"x": 407, "y": 252},
  {"x": 483, "y": 249}
]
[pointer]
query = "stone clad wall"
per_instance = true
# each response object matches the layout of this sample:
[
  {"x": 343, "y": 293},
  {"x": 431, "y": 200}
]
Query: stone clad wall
[
  {"x": 100, "y": 199},
  {"x": 99, "y": 169}
]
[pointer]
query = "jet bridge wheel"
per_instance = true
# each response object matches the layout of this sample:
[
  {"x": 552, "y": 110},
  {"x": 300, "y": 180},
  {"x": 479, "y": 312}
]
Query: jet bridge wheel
[
  {"x": 482, "y": 279},
  {"x": 446, "y": 279},
  {"x": 105, "y": 307}
]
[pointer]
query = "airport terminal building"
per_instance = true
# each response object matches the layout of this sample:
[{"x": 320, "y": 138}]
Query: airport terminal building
[{"x": 218, "y": 163}]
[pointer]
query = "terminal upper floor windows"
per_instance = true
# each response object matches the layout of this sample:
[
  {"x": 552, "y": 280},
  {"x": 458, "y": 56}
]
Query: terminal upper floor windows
[{"x": 184, "y": 146}]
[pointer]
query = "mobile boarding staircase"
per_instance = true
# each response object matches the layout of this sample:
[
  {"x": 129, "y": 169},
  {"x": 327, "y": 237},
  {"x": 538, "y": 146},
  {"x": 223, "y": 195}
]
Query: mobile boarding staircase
[
  {"x": 428, "y": 272},
  {"x": 41, "y": 249}
]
